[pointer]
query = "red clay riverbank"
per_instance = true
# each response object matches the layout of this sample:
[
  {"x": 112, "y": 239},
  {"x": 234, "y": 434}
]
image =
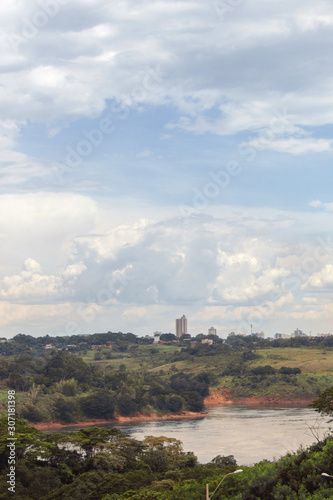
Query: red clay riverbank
[
  {"x": 44, "y": 426},
  {"x": 222, "y": 396}
]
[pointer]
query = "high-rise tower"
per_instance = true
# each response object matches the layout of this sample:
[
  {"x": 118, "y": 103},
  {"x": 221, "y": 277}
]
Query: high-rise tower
[{"x": 181, "y": 326}]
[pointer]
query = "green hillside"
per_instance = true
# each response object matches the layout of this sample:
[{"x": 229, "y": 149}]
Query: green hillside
[{"x": 104, "y": 376}]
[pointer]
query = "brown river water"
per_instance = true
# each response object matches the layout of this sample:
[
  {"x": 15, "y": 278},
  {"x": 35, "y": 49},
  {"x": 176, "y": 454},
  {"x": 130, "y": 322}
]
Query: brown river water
[{"x": 249, "y": 433}]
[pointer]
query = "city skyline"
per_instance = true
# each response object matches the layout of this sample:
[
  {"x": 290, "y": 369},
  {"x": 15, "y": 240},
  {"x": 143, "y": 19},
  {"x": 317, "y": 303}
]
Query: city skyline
[{"x": 161, "y": 157}]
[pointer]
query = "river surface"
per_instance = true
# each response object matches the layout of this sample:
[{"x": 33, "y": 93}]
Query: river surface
[{"x": 249, "y": 433}]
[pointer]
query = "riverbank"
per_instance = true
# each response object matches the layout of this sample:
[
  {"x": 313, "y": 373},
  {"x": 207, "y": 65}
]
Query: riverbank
[
  {"x": 222, "y": 396},
  {"x": 217, "y": 397},
  {"x": 44, "y": 426}
]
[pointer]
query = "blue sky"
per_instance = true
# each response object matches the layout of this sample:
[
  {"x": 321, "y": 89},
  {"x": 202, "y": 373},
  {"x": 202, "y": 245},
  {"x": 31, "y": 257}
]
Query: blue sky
[{"x": 166, "y": 158}]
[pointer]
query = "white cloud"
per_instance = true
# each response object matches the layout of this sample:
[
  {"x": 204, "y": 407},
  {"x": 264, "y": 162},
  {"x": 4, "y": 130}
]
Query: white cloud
[
  {"x": 109, "y": 52},
  {"x": 322, "y": 278},
  {"x": 32, "y": 284},
  {"x": 310, "y": 300},
  {"x": 32, "y": 317},
  {"x": 144, "y": 154},
  {"x": 42, "y": 227},
  {"x": 292, "y": 145},
  {"x": 197, "y": 260},
  {"x": 263, "y": 70},
  {"x": 148, "y": 272},
  {"x": 318, "y": 204},
  {"x": 315, "y": 203}
]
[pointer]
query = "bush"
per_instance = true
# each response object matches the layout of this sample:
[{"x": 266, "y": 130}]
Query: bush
[
  {"x": 263, "y": 370},
  {"x": 289, "y": 371}
]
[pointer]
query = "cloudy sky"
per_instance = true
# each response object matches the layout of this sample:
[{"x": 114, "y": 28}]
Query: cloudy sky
[{"x": 162, "y": 158}]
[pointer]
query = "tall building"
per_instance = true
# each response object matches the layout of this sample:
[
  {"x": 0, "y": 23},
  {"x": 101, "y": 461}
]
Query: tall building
[
  {"x": 298, "y": 333},
  {"x": 212, "y": 331},
  {"x": 181, "y": 327}
]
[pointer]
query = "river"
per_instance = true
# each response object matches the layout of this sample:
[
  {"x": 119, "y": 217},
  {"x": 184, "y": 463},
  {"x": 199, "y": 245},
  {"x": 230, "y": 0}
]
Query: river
[{"x": 249, "y": 433}]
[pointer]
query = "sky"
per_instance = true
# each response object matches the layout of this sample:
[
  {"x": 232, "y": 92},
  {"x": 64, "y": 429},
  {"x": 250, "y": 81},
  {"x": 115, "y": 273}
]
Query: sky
[{"x": 161, "y": 158}]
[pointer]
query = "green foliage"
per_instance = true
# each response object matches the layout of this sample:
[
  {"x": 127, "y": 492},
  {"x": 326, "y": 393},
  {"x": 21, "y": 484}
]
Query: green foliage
[
  {"x": 99, "y": 405},
  {"x": 263, "y": 370},
  {"x": 290, "y": 371},
  {"x": 66, "y": 411},
  {"x": 324, "y": 403},
  {"x": 67, "y": 387},
  {"x": 32, "y": 413}
]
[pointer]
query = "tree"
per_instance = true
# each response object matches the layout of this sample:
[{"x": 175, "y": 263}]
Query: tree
[
  {"x": 324, "y": 403},
  {"x": 66, "y": 411},
  {"x": 174, "y": 403},
  {"x": 126, "y": 405},
  {"x": 168, "y": 337},
  {"x": 99, "y": 405}
]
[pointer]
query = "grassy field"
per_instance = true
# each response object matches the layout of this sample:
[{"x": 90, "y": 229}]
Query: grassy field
[
  {"x": 157, "y": 357},
  {"x": 308, "y": 360},
  {"x": 160, "y": 357},
  {"x": 316, "y": 366},
  {"x": 144, "y": 357}
]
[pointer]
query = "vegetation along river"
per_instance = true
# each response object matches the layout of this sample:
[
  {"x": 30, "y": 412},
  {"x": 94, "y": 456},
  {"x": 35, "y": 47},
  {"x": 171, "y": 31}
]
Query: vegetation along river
[{"x": 250, "y": 433}]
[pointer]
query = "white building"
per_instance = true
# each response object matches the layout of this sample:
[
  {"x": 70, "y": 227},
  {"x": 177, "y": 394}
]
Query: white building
[
  {"x": 207, "y": 341},
  {"x": 212, "y": 331}
]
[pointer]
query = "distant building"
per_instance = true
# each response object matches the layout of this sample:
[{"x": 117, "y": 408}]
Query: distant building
[
  {"x": 281, "y": 336},
  {"x": 181, "y": 326},
  {"x": 260, "y": 335},
  {"x": 157, "y": 336},
  {"x": 207, "y": 341},
  {"x": 212, "y": 331},
  {"x": 298, "y": 333}
]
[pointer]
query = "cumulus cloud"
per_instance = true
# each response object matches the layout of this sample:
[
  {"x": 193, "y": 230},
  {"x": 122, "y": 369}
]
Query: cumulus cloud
[
  {"x": 201, "y": 265},
  {"x": 322, "y": 278},
  {"x": 198, "y": 259},
  {"x": 33, "y": 284}
]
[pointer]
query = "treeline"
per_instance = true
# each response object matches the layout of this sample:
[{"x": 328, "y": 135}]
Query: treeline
[
  {"x": 64, "y": 388},
  {"x": 22, "y": 343},
  {"x": 122, "y": 341},
  {"x": 105, "y": 464},
  {"x": 260, "y": 370}
]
